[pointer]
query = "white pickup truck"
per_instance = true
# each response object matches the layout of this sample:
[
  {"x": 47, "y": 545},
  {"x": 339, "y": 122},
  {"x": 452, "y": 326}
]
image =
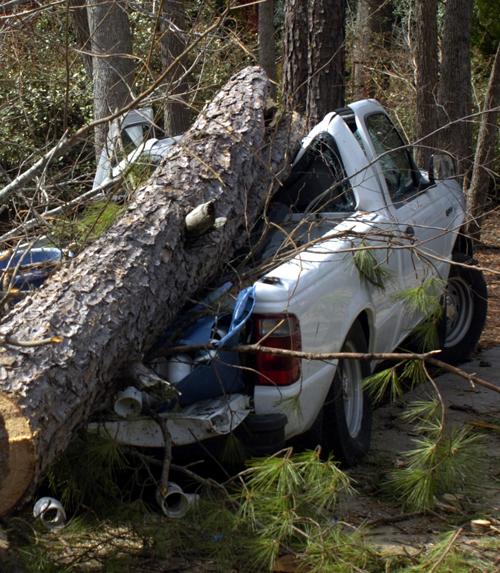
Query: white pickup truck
[{"x": 354, "y": 184}]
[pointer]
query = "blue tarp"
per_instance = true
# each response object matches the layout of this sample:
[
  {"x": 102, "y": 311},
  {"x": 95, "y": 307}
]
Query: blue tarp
[
  {"x": 219, "y": 374},
  {"x": 28, "y": 275}
]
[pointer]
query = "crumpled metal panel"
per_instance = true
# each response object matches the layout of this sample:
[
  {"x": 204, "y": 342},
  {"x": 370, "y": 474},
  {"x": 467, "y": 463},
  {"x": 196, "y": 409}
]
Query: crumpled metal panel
[{"x": 199, "y": 421}]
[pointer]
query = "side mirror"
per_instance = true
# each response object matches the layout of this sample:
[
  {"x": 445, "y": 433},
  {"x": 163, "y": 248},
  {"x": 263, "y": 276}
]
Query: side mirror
[{"x": 441, "y": 166}]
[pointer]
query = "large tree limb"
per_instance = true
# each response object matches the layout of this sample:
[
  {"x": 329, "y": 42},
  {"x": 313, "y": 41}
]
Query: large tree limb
[{"x": 112, "y": 301}]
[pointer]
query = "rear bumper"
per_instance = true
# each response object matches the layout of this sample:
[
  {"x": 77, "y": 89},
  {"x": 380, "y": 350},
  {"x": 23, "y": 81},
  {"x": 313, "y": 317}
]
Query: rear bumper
[{"x": 195, "y": 423}]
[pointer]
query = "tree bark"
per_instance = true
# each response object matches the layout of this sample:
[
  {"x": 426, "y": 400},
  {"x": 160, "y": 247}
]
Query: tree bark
[
  {"x": 455, "y": 96},
  {"x": 177, "y": 117},
  {"x": 295, "y": 45},
  {"x": 80, "y": 23},
  {"x": 112, "y": 63},
  {"x": 111, "y": 302},
  {"x": 267, "y": 47},
  {"x": 482, "y": 173},
  {"x": 372, "y": 40},
  {"x": 326, "y": 55},
  {"x": 427, "y": 79}
]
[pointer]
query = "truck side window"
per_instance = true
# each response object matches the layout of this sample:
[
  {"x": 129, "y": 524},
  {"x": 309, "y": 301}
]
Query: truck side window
[
  {"x": 318, "y": 182},
  {"x": 394, "y": 157}
]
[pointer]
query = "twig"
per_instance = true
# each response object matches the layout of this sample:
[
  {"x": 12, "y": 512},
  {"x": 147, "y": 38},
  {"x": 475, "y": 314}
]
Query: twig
[
  {"x": 472, "y": 378},
  {"x": 7, "y": 339},
  {"x": 167, "y": 455},
  {"x": 446, "y": 551}
]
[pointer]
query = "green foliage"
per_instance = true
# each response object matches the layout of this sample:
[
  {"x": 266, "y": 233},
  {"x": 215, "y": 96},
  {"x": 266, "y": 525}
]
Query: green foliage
[
  {"x": 389, "y": 382},
  {"x": 369, "y": 268},
  {"x": 90, "y": 225},
  {"x": 87, "y": 473},
  {"x": 447, "y": 556},
  {"x": 438, "y": 463},
  {"x": 332, "y": 550},
  {"x": 37, "y": 95},
  {"x": 137, "y": 174},
  {"x": 424, "y": 302},
  {"x": 383, "y": 383},
  {"x": 286, "y": 499},
  {"x": 486, "y": 26}
]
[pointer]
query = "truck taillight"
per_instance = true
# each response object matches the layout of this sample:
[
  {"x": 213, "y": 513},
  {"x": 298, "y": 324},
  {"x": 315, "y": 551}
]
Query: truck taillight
[{"x": 277, "y": 331}]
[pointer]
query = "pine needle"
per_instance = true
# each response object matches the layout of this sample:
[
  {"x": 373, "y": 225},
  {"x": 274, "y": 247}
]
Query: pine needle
[{"x": 369, "y": 268}]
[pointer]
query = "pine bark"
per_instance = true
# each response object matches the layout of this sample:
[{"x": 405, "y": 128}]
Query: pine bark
[
  {"x": 455, "y": 95},
  {"x": 177, "y": 117},
  {"x": 427, "y": 79},
  {"x": 326, "y": 58},
  {"x": 112, "y": 301},
  {"x": 267, "y": 45},
  {"x": 112, "y": 63},
  {"x": 482, "y": 174},
  {"x": 295, "y": 45},
  {"x": 80, "y": 24},
  {"x": 371, "y": 43}
]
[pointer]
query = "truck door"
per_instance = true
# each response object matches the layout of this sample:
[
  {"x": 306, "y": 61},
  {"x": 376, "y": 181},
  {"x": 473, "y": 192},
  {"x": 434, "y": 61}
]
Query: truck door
[
  {"x": 421, "y": 216},
  {"x": 373, "y": 224}
]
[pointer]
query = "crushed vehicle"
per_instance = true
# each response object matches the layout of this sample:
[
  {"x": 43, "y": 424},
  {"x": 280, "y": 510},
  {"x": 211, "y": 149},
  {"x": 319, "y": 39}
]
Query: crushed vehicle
[{"x": 353, "y": 186}]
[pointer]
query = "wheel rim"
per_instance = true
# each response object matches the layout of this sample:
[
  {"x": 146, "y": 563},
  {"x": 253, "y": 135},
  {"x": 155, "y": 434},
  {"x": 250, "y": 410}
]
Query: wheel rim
[
  {"x": 459, "y": 311},
  {"x": 351, "y": 377}
]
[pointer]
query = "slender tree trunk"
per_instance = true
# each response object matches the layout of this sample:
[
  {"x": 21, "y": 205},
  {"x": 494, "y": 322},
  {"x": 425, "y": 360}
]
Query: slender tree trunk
[
  {"x": 79, "y": 20},
  {"x": 267, "y": 46},
  {"x": 173, "y": 27},
  {"x": 326, "y": 53},
  {"x": 482, "y": 173},
  {"x": 371, "y": 43},
  {"x": 295, "y": 71},
  {"x": 455, "y": 96},
  {"x": 360, "y": 52},
  {"x": 427, "y": 78},
  {"x": 112, "y": 301},
  {"x": 112, "y": 63}
]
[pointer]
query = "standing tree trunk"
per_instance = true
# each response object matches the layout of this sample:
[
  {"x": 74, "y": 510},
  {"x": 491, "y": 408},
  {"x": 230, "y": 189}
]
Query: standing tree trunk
[
  {"x": 371, "y": 43},
  {"x": 427, "y": 78},
  {"x": 267, "y": 47},
  {"x": 111, "y": 302},
  {"x": 455, "y": 97},
  {"x": 177, "y": 117},
  {"x": 80, "y": 23},
  {"x": 482, "y": 174},
  {"x": 361, "y": 51},
  {"x": 326, "y": 70},
  {"x": 295, "y": 55},
  {"x": 112, "y": 63}
]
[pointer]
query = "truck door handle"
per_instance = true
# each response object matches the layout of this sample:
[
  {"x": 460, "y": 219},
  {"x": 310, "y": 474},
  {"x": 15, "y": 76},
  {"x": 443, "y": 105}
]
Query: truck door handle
[{"x": 410, "y": 231}]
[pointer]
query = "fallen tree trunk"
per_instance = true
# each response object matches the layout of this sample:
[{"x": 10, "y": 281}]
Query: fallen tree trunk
[{"x": 111, "y": 302}]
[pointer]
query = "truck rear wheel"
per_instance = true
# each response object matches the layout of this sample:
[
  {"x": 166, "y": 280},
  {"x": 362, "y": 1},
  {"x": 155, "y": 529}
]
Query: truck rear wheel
[{"x": 343, "y": 426}]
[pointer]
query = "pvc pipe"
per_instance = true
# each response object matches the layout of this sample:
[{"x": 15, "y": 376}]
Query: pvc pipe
[
  {"x": 176, "y": 503},
  {"x": 128, "y": 402},
  {"x": 50, "y": 512}
]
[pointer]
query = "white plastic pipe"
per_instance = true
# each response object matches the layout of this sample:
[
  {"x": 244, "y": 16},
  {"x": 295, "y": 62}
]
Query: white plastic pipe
[
  {"x": 50, "y": 512},
  {"x": 176, "y": 503},
  {"x": 128, "y": 402}
]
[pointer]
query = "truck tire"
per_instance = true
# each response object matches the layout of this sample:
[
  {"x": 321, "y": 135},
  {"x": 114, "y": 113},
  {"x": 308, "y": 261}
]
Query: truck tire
[
  {"x": 464, "y": 310},
  {"x": 343, "y": 427}
]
